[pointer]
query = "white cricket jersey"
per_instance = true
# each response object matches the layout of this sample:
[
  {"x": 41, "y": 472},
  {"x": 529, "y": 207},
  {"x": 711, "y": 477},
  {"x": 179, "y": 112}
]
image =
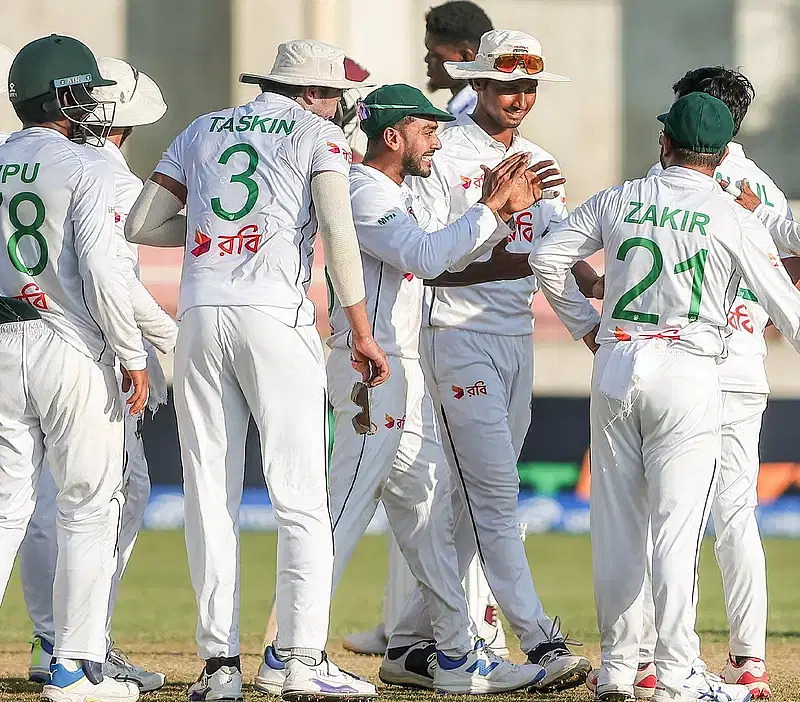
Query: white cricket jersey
[
  {"x": 3, "y": 138},
  {"x": 455, "y": 184},
  {"x": 250, "y": 219},
  {"x": 675, "y": 248},
  {"x": 57, "y": 238},
  {"x": 156, "y": 325},
  {"x": 743, "y": 370},
  {"x": 400, "y": 248}
]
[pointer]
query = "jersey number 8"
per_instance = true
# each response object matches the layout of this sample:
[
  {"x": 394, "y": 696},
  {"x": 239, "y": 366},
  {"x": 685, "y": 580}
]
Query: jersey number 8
[{"x": 22, "y": 230}]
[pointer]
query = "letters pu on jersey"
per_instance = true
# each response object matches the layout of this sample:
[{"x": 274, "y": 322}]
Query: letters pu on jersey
[{"x": 677, "y": 218}]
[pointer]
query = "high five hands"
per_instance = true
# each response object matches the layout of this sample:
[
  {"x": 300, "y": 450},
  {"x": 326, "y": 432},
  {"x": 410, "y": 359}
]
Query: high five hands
[{"x": 512, "y": 186}]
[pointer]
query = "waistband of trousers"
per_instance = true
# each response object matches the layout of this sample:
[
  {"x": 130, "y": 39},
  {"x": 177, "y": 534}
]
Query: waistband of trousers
[{"x": 29, "y": 326}]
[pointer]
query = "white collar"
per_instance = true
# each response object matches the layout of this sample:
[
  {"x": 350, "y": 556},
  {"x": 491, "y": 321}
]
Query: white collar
[
  {"x": 479, "y": 137},
  {"x": 380, "y": 177},
  {"x": 700, "y": 179}
]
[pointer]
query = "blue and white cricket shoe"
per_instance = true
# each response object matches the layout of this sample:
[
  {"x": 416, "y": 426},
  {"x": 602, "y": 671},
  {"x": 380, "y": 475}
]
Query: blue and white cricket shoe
[
  {"x": 311, "y": 683},
  {"x": 271, "y": 673},
  {"x": 704, "y": 685},
  {"x": 87, "y": 684},
  {"x": 482, "y": 672}
]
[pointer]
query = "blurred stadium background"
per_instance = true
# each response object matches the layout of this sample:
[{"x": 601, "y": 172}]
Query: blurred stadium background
[{"x": 622, "y": 57}]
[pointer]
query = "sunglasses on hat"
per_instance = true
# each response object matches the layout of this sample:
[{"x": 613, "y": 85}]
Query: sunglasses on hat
[{"x": 508, "y": 63}]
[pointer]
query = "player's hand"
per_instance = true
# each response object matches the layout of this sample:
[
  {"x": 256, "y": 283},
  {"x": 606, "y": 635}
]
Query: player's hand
[
  {"x": 369, "y": 359},
  {"x": 590, "y": 340},
  {"x": 748, "y": 198},
  {"x": 599, "y": 288},
  {"x": 498, "y": 182},
  {"x": 530, "y": 187},
  {"x": 141, "y": 384}
]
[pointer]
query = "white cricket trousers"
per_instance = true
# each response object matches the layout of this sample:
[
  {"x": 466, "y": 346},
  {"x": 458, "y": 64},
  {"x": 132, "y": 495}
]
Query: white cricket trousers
[
  {"x": 231, "y": 362},
  {"x": 403, "y": 464},
  {"x": 481, "y": 385},
  {"x": 738, "y": 547},
  {"x": 659, "y": 465},
  {"x": 37, "y": 555},
  {"x": 57, "y": 401}
]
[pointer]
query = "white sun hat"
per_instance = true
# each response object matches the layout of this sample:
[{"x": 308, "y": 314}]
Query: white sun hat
[
  {"x": 6, "y": 59},
  {"x": 138, "y": 98},
  {"x": 502, "y": 42},
  {"x": 307, "y": 63}
]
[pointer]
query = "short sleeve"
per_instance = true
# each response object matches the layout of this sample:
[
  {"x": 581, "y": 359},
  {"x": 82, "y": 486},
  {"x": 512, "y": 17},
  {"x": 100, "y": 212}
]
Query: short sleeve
[
  {"x": 173, "y": 162},
  {"x": 331, "y": 151}
]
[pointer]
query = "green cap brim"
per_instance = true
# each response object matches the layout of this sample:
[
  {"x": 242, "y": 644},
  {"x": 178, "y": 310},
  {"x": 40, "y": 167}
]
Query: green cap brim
[
  {"x": 662, "y": 118},
  {"x": 103, "y": 83},
  {"x": 435, "y": 113}
]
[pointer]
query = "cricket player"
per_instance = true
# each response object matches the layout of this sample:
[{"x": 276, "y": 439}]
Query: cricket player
[
  {"x": 60, "y": 394},
  {"x": 477, "y": 351},
  {"x": 259, "y": 180},
  {"x": 743, "y": 382},
  {"x": 394, "y": 454},
  {"x": 676, "y": 247},
  {"x": 138, "y": 101},
  {"x": 453, "y": 32}
]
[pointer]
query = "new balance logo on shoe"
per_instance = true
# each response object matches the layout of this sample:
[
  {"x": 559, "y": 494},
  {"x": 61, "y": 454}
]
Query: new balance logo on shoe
[{"x": 482, "y": 668}]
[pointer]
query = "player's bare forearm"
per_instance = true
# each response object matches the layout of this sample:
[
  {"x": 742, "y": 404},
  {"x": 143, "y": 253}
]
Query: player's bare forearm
[
  {"x": 586, "y": 277},
  {"x": 512, "y": 266}
]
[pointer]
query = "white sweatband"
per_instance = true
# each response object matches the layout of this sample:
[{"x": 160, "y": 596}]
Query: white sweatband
[
  {"x": 154, "y": 218},
  {"x": 330, "y": 192}
]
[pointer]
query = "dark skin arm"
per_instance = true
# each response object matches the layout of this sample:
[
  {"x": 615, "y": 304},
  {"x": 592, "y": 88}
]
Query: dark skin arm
[{"x": 501, "y": 266}]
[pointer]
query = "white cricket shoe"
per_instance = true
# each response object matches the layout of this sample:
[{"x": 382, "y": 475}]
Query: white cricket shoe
[
  {"x": 119, "y": 667},
  {"x": 482, "y": 672},
  {"x": 225, "y": 683},
  {"x": 368, "y": 643},
  {"x": 643, "y": 687},
  {"x": 750, "y": 672},
  {"x": 409, "y": 666},
  {"x": 703, "y": 685},
  {"x": 271, "y": 673},
  {"x": 41, "y": 657},
  {"x": 564, "y": 668},
  {"x": 75, "y": 686},
  {"x": 311, "y": 683}
]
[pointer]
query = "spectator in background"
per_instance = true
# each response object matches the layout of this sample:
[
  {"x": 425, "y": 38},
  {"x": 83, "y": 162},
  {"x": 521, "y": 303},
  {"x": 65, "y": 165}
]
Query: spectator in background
[{"x": 453, "y": 32}]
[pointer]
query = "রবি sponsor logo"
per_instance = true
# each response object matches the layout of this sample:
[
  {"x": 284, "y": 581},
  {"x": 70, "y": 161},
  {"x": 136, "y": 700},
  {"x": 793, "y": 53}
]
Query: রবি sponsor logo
[
  {"x": 336, "y": 149},
  {"x": 467, "y": 182},
  {"x": 391, "y": 422},
  {"x": 203, "y": 243},
  {"x": 477, "y": 388},
  {"x": 33, "y": 295}
]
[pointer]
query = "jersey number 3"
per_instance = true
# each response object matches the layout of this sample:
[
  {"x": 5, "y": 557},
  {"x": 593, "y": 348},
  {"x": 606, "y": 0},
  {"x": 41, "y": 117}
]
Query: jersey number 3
[
  {"x": 22, "y": 230},
  {"x": 242, "y": 177},
  {"x": 696, "y": 263}
]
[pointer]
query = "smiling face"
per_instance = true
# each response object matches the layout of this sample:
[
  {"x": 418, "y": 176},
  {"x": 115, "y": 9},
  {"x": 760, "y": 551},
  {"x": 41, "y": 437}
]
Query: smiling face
[
  {"x": 506, "y": 103},
  {"x": 417, "y": 143}
]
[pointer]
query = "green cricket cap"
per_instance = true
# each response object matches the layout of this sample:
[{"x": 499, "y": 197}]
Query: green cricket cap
[
  {"x": 45, "y": 64},
  {"x": 387, "y": 105},
  {"x": 699, "y": 122}
]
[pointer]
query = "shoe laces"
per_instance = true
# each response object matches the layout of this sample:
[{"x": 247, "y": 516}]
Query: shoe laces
[
  {"x": 334, "y": 670},
  {"x": 118, "y": 655},
  {"x": 555, "y": 635}
]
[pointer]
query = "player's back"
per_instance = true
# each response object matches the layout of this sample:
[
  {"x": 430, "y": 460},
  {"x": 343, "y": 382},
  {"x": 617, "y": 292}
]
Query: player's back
[
  {"x": 46, "y": 183},
  {"x": 251, "y": 222},
  {"x": 667, "y": 273}
]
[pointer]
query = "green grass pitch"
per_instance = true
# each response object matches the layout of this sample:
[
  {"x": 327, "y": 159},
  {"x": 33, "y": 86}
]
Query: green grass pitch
[{"x": 155, "y": 618}]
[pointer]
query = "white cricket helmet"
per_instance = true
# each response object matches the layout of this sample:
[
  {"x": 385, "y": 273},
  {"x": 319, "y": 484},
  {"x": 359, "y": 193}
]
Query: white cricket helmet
[
  {"x": 137, "y": 96},
  {"x": 6, "y": 59}
]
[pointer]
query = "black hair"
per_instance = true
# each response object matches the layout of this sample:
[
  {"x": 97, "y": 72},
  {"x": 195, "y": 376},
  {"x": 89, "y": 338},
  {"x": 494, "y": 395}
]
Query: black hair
[
  {"x": 458, "y": 22},
  {"x": 732, "y": 87},
  {"x": 289, "y": 91},
  {"x": 687, "y": 157}
]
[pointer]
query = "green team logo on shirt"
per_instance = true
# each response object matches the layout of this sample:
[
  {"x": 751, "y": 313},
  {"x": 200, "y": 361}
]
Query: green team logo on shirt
[
  {"x": 251, "y": 123},
  {"x": 677, "y": 218}
]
